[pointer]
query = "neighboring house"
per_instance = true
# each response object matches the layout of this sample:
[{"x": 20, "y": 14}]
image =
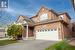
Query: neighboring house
[
  {"x": 46, "y": 25},
  {"x": 2, "y": 32}
]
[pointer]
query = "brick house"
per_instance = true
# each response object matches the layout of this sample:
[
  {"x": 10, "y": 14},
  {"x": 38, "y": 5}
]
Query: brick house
[
  {"x": 46, "y": 25},
  {"x": 2, "y": 32},
  {"x": 73, "y": 29}
]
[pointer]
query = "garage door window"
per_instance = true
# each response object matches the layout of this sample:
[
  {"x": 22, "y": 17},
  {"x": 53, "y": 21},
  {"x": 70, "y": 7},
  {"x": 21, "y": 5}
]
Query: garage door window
[
  {"x": 55, "y": 29},
  {"x": 51, "y": 29},
  {"x": 45, "y": 30},
  {"x": 38, "y": 30},
  {"x": 42, "y": 30},
  {"x": 48, "y": 29}
]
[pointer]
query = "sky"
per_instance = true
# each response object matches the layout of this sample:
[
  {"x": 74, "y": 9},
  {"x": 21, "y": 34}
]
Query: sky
[{"x": 30, "y": 8}]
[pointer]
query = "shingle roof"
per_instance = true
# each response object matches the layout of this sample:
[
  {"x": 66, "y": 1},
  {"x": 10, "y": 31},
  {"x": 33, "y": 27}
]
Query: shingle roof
[
  {"x": 47, "y": 9},
  {"x": 29, "y": 21},
  {"x": 32, "y": 23},
  {"x": 52, "y": 12},
  {"x": 66, "y": 14},
  {"x": 48, "y": 21}
]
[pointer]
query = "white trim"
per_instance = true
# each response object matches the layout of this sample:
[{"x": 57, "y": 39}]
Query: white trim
[
  {"x": 44, "y": 16},
  {"x": 25, "y": 38}
]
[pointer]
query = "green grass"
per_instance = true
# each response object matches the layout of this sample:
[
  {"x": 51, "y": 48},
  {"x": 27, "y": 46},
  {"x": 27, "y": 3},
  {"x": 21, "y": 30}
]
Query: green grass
[
  {"x": 6, "y": 42},
  {"x": 61, "y": 46}
]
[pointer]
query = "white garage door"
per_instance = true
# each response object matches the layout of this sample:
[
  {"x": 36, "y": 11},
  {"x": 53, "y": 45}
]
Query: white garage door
[{"x": 51, "y": 34}]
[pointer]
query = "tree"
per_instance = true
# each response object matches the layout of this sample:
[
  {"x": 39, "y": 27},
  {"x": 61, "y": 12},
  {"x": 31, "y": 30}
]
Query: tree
[{"x": 15, "y": 31}]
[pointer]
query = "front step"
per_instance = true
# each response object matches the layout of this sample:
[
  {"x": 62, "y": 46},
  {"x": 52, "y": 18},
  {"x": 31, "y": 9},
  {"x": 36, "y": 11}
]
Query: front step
[{"x": 31, "y": 38}]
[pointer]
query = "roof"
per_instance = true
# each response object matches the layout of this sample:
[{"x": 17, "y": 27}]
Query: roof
[
  {"x": 45, "y": 8},
  {"x": 52, "y": 12},
  {"x": 29, "y": 21},
  {"x": 50, "y": 21},
  {"x": 66, "y": 14},
  {"x": 32, "y": 23}
]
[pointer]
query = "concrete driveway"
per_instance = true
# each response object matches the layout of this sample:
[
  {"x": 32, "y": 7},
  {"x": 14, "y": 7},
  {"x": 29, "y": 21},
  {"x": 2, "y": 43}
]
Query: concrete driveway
[{"x": 28, "y": 45}]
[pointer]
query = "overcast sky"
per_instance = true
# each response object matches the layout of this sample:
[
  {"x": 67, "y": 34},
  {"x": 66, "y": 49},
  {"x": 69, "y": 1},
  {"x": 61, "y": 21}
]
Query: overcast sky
[{"x": 31, "y": 7}]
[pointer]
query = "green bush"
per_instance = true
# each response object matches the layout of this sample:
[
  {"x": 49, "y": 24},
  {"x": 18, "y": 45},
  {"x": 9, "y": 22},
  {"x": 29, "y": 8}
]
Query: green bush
[{"x": 15, "y": 30}]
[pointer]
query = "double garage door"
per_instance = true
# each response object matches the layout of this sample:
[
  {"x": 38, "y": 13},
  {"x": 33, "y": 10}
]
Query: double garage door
[{"x": 47, "y": 35}]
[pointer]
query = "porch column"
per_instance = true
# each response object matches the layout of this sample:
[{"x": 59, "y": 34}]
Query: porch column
[{"x": 26, "y": 31}]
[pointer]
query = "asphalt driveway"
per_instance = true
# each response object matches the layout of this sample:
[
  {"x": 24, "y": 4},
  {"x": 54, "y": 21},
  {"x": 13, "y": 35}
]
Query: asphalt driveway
[{"x": 28, "y": 45}]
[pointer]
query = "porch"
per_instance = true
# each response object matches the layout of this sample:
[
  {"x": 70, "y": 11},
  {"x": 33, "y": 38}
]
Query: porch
[{"x": 28, "y": 33}]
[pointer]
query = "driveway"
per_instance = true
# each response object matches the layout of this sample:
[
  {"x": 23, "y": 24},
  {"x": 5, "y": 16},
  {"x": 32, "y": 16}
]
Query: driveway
[
  {"x": 72, "y": 42},
  {"x": 28, "y": 45}
]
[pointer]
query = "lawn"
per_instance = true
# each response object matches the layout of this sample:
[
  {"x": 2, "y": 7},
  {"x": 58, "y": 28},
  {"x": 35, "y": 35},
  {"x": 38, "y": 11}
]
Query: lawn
[
  {"x": 6, "y": 42},
  {"x": 61, "y": 46}
]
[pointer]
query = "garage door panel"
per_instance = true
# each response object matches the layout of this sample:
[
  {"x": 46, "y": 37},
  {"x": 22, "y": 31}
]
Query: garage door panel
[{"x": 48, "y": 35}]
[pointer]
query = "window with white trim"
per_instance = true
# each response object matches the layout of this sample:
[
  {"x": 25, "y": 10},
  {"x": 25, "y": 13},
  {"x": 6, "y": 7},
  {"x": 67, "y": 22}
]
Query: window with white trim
[
  {"x": 44, "y": 16},
  {"x": 61, "y": 16}
]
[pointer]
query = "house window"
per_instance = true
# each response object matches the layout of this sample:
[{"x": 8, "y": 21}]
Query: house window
[
  {"x": 61, "y": 16},
  {"x": 44, "y": 17},
  {"x": 48, "y": 29},
  {"x": 38, "y": 30},
  {"x": 42, "y": 30},
  {"x": 45, "y": 30}
]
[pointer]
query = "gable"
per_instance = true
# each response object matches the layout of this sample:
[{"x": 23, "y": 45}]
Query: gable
[
  {"x": 20, "y": 19},
  {"x": 65, "y": 18},
  {"x": 25, "y": 20},
  {"x": 44, "y": 14}
]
